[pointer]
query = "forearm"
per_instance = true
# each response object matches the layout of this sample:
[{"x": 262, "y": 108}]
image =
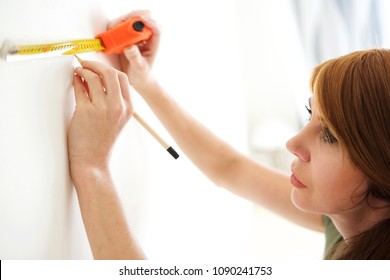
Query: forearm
[
  {"x": 208, "y": 152},
  {"x": 104, "y": 220}
]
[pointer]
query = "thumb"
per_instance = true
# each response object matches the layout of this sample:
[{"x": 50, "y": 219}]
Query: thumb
[{"x": 135, "y": 57}]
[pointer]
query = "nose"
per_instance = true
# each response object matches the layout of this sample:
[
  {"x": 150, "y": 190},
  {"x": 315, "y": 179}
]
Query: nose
[{"x": 297, "y": 146}]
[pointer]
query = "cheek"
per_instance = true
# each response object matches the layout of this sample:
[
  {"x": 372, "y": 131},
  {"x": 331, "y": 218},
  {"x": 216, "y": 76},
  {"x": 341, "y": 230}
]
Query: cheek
[
  {"x": 335, "y": 186},
  {"x": 331, "y": 179}
]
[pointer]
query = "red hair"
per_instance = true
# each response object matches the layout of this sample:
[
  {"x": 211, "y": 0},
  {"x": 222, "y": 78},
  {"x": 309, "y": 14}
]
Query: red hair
[{"x": 353, "y": 97}]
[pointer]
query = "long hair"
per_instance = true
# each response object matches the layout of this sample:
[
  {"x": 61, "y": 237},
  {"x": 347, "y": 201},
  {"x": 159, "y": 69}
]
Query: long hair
[{"x": 353, "y": 95}]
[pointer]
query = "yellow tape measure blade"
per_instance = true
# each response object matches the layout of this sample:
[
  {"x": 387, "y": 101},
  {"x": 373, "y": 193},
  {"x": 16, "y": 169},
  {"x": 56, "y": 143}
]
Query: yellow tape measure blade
[
  {"x": 81, "y": 46},
  {"x": 72, "y": 47}
]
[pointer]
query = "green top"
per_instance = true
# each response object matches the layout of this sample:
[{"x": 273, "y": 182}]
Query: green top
[{"x": 332, "y": 236}]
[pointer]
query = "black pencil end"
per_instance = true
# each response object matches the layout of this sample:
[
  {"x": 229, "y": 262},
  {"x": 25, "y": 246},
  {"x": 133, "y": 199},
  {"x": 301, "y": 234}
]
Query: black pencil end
[{"x": 173, "y": 152}]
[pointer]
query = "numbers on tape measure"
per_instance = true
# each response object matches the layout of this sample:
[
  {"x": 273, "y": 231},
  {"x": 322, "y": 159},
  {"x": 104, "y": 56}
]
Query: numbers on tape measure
[{"x": 72, "y": 47}]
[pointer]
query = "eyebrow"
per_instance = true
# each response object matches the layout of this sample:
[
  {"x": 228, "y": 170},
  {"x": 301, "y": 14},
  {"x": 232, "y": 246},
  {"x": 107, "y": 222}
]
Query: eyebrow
[{"x": 309, "y": 101}]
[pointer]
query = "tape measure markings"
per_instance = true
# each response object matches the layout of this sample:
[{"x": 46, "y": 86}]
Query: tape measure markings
[
  {"x": 112, "y": 41},
  {"x": 75, "y": 46}
]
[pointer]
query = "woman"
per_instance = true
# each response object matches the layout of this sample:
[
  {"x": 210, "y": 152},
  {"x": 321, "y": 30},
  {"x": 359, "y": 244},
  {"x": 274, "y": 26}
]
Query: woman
[
  {"x": 340, "y": 176},
  {"x": 353, "y": 100}
]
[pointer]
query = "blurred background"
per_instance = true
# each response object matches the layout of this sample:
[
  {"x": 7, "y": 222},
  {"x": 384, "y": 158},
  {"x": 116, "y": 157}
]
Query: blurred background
[{"x": 242, "y": 67}]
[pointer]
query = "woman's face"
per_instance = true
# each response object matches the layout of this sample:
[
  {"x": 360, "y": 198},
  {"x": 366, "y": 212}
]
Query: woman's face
[{"x": 323, "y": 177}]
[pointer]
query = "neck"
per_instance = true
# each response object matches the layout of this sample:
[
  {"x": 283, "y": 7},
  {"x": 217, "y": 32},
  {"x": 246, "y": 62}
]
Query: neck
[{"x": 361, "y": 218}]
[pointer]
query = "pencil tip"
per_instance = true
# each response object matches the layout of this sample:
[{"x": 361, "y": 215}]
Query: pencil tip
[{"x": 78, "y": 58}]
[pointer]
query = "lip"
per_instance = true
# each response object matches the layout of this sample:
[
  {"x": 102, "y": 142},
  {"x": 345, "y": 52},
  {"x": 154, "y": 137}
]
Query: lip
[{"x": 295, "y": 182}]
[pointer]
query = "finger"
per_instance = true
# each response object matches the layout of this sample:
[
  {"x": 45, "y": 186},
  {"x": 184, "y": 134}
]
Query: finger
[
  {"x": 80, "y": 91},
  {"x": 124, "y": 84},
  {"x": 150, "y": 47},
  {"x": 134, "y": 57},
  {"x": 108, "y": 75},
  {"x": 94, "y": 83}
]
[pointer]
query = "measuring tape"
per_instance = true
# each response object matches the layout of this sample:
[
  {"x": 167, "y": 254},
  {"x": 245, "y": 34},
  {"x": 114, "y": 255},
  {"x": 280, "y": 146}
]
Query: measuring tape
[
  {"x": 73, "y": 47},
  {"x": 113, "y": 41}
]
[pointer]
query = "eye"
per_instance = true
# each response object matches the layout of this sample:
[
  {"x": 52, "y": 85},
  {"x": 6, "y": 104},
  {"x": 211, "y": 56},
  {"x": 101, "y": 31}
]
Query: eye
[{"x": 327, "y": 136}]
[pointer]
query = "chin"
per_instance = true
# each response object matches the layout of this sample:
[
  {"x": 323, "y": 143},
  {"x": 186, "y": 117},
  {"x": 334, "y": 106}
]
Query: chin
[{"x": 302, "y": 203}]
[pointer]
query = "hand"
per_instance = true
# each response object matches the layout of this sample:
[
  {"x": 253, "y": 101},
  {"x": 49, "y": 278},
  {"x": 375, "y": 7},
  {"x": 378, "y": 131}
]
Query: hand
[
  {"x": 137, "y": 61},
  {"x": 103, "y": 107}
]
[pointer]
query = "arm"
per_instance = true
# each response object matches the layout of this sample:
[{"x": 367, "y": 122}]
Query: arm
[
  {"x": 224, "y": 165},
  {"x": 104, "y": 221},
  {"x": 219, "y": 161},
  {"x": 101, "y": 113}
]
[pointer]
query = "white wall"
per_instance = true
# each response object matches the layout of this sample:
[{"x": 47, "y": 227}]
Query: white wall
[
  {"x": 35, "y": 188},
  {"x": 173, "y": 209},
  {"x": 39, "y": 215}
]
